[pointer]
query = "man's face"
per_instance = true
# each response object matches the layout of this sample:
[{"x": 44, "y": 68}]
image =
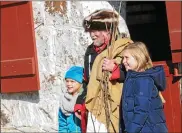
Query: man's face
[{"x": 99, "y": 37}]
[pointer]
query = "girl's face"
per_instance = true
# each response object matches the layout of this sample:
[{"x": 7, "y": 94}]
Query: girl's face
[
  {"x": 72, "y": 86},
  {"x": 129, "y": 61}
]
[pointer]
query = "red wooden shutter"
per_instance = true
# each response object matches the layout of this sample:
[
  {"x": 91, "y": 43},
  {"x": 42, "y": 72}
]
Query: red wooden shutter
[
  {"x": 174, "y": 24},
  {"x": 19, "y": 68},
  {"x": 173, "y": 10}
]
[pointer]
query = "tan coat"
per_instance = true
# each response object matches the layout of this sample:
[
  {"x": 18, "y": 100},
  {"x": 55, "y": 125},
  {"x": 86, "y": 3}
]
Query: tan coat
[{"x": 94, "y": 98}]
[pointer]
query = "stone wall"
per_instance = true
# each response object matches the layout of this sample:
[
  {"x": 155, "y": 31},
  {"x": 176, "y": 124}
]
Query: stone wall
[{"x": 61, "y": 42}]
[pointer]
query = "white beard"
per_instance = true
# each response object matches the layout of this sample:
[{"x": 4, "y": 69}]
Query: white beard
[{"x": 98, "y": 43}]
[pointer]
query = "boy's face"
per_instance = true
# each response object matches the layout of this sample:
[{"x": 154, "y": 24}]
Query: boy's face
[{"x": 72, "y": 86}]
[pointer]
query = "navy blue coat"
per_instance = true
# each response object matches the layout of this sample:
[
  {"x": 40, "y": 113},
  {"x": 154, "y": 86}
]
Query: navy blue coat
[{"x": 141, "y": 107}]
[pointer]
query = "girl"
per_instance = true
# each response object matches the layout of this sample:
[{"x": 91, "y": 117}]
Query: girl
[
  {"x": 68, "y": 122},
  {"x": 141, "y": 106}
]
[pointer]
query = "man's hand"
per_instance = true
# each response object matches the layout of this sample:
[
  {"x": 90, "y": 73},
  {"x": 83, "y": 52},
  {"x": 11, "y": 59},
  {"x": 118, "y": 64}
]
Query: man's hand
[
  {"x": 78, "y": 114},
  {"x": 108, "y": 65}
]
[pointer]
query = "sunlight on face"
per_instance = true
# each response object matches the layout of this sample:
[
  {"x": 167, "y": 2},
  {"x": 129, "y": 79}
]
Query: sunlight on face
[
  {"x": 98, "y": 37},
  {"x": 129, "y": 61},
  {"x": 72, "y": 86}
]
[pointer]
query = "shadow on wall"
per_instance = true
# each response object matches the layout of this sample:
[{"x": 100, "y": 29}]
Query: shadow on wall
[
  {"x": 4, "y": 118},
  {"x": 32, "y": 97}
]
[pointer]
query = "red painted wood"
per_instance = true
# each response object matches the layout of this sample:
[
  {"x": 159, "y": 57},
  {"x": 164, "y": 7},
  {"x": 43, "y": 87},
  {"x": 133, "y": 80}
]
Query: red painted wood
[
  {"x": 14, "y": 67},
  {"x": 172, "y": 94},
  {"x": 6, "y": 3},
  {"x": 172, "y": 107},
  {"x": 173, "y": 10},
  {"x": 18, "y": 43},
  {"x": 176, "y": 106}
]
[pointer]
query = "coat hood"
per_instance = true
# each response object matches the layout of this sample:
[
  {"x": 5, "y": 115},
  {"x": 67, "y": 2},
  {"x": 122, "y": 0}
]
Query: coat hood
[{"x": 156, "y": 73}]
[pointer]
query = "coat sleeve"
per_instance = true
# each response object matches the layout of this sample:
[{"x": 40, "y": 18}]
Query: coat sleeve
[
  {"x": 62, "y": 122},
  {"x": 142, "y": 97},
  {"x": 122, "y": 73},
  {"x": 118, "y": 73}
]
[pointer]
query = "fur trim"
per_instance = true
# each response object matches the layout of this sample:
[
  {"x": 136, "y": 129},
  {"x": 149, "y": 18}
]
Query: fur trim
[{"x": 101, "y": 20}]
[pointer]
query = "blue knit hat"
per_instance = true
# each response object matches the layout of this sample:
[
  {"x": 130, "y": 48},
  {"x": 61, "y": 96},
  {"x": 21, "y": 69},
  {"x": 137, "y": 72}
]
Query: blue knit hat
[{"x": 75, "y": 73}]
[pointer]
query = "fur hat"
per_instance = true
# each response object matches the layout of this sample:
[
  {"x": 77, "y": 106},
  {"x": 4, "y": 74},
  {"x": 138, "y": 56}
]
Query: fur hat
[
  {"x": 101, "y": 20},
  {"x": 75, "y": 73}
]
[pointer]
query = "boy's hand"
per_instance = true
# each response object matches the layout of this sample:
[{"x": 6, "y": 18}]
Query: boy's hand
[{"x": 78, "y": 114}]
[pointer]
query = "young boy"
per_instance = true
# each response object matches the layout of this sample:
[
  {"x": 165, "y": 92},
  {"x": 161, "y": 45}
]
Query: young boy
[{"x": 68, "y": 122}]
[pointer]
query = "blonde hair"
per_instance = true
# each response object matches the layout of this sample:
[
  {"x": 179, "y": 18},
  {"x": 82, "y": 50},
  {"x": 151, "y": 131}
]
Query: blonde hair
[{"x": 139, "y": 51}]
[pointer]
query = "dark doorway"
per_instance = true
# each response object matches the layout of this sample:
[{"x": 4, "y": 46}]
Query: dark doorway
[{"x": 147, "y": 22}]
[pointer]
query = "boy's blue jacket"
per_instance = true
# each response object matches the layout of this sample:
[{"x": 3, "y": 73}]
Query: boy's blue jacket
[
  {"x": 141, "y": 106},
  {"x": 68, "y": 124}
]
